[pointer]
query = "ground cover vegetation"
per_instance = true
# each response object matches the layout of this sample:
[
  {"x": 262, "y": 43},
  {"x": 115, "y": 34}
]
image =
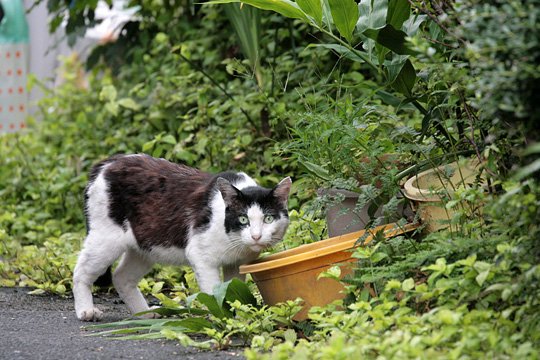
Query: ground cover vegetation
[{"x": 321, "y": 91}]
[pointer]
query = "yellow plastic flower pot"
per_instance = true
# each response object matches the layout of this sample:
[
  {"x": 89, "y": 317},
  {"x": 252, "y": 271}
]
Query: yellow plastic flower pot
[{"x": 294, "y": 273}]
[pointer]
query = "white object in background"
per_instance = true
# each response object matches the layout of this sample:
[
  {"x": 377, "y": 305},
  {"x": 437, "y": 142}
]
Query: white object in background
[{"x": 112, "y": 20}]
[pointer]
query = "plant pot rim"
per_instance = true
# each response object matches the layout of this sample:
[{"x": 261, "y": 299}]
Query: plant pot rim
[
  {"x": 322, "y": 248},
  {"x": 412, "y": 192}
]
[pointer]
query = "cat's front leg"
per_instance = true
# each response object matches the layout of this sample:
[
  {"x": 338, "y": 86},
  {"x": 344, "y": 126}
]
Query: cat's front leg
[
  {"x": 207, "y": 276},
  {"x": 232, "y": 271}
]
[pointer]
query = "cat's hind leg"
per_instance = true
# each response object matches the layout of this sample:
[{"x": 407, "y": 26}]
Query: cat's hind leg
[
  {"x": 98, "y": 253},
  {"x": 131, "y": 269}
]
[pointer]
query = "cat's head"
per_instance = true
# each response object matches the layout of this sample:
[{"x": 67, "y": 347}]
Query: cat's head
[{"x": 255, "y": 217}]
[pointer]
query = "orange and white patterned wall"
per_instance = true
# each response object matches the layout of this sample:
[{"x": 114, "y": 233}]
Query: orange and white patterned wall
[{"x": 13, "y": 92}]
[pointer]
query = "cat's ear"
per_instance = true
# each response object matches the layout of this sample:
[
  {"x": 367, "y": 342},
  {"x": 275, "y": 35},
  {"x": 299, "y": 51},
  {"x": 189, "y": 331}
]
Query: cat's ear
[
  {"x": 227, "y": 190},
  {"x": 281, "y": 190}
]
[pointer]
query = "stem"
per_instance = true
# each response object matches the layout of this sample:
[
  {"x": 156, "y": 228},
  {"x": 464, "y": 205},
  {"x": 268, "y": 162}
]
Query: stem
[
  {"x": 419, "y": 106},
  {"x": 350, "y": 48},
  {"x": 273, "y": 81}
]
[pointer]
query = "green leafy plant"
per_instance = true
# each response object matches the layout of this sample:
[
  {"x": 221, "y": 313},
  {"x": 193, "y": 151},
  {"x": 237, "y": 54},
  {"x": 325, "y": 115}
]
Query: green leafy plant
[
  {"x": 426, "y": 80},
  {"x": 231, "y": 312}
]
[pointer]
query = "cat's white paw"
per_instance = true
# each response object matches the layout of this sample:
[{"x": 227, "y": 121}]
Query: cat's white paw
[{"x": 93, "y": 314}]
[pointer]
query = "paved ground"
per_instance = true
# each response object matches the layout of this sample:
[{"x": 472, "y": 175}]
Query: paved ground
[{"x": 45, "y": 327}]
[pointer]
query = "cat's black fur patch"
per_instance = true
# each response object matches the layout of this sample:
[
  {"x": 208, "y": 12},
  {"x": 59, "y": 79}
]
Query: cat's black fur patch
[
  {"x": 162, "y": 200},
  {"x": 158, "y": 198}
]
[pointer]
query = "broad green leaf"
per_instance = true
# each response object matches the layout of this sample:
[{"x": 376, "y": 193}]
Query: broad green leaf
[
  {"x": 407, "y": 284},
  {"x": 333, "y": 272},
  {"x": 238, "y": 290},
  {"x": 390, "y": 38},
  {"x": 439, "y": 266},
  {"x": 448, "y": 317},
  {"x": 406, "y": 79},
  {"x": 220, "y": 292},
  {"x": 129, "y": 103},
  {"x": 168, "y": 139},
  {"x": 312, "y": 8},
  {"x": 372, "y": 15},
  {"x": 112, "y": 107},
  {"x": 246, "y": 21},
  {"x": 412, "y": 24},
  {"x": 108, "y": 93},
  {"x": 391, "y": 99},
  {"x": 392, "y": 284},
  {"x": 157, "y": 287},
  {"x": 394, "y": 66},
  {"x": 345, "y": 15},
  {"x": 166, "y": 301},
  {"x": 469, "y": 261},
  {"x": 148, "y": 145},
  {"x": 398, "y": 12},
  {"x": 290, "y": 336},
  {"x": 481, "y": 278},
  {"x": 378, "y": 257},
  {"x": 481, "y": 266},
  {"x": 211, "y": 303},
  {"x": 506, "y": 293},
  {"x": 286, "y": 8},
  {"x": 316, "y": 170}
]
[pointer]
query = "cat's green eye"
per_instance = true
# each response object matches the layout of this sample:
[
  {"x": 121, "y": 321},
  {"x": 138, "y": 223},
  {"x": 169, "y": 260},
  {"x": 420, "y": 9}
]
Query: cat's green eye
[
  {"x": 268, "y": 219},
  {"x": 243, "y": 219}
]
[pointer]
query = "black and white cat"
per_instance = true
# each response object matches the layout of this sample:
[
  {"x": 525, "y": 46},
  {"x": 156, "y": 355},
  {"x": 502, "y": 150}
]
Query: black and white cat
[{"x": 147, "y": 210}]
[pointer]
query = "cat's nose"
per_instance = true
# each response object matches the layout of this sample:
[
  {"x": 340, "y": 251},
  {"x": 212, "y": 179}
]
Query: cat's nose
[{"x": 256, "y": 237}]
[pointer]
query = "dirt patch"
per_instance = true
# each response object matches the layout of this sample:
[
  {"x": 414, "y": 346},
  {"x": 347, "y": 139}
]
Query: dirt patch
[{"x": 45, "y": 327}]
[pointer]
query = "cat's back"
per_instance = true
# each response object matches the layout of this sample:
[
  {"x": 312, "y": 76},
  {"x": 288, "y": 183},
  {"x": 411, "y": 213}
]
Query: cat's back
[
  {"x": 135, "y": 178},
  {"x": 158, "y": 199},
  {"x": 125, "y": 168}
]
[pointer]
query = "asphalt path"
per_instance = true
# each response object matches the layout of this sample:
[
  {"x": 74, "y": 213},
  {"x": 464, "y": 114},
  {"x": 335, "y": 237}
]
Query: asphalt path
[{"x": 45, "y": 327}]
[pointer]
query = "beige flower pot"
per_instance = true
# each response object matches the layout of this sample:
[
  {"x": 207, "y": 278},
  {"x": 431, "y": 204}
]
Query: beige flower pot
[{"x": 430, "y": 190}]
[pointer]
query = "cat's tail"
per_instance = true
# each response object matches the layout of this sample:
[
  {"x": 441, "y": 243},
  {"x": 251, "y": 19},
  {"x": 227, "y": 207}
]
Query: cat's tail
[{"x": 105, "y": 280}]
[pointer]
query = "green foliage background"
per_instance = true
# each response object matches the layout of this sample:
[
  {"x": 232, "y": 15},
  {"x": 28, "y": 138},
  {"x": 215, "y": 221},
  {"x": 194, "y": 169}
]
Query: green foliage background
[{"x": 322, "y": 98}]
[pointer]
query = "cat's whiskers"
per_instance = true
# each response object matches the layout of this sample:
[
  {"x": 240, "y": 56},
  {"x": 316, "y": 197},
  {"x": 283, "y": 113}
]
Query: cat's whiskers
[
  {"x": 274, "y": 240},
  {"x": 235, "y": 247}
]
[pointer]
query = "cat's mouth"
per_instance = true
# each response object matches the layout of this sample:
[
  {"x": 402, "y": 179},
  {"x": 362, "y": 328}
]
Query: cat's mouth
[{"x": 256, "y": 247}]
